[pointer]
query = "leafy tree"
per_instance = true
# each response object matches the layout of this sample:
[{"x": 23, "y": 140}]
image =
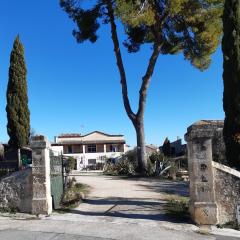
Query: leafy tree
[
  {"x": 18, "y": 114},
  {"x": 166, "y": 148},
  {"x": 192, "y": 27},
  {"x": 231, "y": 79}
]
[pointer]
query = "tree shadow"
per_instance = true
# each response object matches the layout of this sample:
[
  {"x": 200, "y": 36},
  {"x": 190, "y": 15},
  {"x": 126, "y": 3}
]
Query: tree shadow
[
  {"x": 145, "y": 209},
  {"x": 168, "y": 187}
]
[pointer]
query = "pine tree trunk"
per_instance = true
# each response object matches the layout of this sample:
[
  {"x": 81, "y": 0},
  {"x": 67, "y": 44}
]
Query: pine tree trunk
[
  {"x": 136, "y": 118},
  {"x": 141, "y": 148}
]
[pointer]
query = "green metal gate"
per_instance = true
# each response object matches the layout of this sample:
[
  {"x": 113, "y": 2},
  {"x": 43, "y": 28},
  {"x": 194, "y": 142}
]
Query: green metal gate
[{"x": 57, "y": 181}]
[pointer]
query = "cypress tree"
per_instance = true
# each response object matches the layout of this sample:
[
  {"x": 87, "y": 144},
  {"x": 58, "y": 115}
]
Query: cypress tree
[
  {"x": 18, "y": 114},
  {"x": 166, "y": 148},
  {"x": 231, "y": 79}
]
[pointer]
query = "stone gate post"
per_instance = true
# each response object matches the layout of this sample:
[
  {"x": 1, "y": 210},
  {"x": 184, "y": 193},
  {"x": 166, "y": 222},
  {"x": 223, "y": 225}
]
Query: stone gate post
[
  {"x": 42, "y": 200},
  {"x": 203, "y": 207}
]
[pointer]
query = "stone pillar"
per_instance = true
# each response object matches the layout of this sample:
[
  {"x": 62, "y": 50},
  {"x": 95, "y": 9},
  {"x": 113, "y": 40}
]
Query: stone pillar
[
  {"x": 203, "y": 207},
  {"x": 42, "y": 200}
]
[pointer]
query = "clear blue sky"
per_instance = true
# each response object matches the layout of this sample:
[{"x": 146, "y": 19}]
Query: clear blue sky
[{"x": 72, "y": 84}]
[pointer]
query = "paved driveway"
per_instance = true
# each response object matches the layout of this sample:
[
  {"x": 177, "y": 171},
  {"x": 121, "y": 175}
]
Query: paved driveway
[{"x": 136, "y": 198}]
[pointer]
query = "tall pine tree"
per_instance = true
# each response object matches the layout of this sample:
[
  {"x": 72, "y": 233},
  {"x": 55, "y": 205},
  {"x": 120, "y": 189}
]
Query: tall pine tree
[
  {"x": 193, "y": 27},
  {"x": 18, "y": 114},
  {"x": 231, "y": 79}
]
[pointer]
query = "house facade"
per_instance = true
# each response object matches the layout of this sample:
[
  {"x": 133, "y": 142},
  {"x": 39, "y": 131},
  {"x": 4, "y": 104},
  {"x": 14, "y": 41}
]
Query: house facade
[{"x": 91, "y": 148}]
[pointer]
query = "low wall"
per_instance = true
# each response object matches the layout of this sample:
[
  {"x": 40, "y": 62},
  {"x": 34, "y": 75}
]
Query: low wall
[
  {"x": 16, "y": 191},
  {"x": 227, "y": 190}
]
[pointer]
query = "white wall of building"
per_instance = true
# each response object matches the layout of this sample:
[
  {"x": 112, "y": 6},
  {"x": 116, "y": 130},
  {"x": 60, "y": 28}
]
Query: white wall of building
[
  {"x": 84, "y": 159},
  {"x": 57, "y": 150}
]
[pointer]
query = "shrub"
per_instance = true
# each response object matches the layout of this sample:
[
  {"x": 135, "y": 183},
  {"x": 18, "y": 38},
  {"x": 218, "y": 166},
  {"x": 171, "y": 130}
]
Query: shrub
[
  {"x": 70, "y": 164},
  {"x": 123, "y": 166},
  {"x": 73, "y": 194},
  {"x": 151, "y": 168},
  {"x": 97, "y": 166},
  {"x": 163, "y": 165},
  {"x": 178, "y": 207}
]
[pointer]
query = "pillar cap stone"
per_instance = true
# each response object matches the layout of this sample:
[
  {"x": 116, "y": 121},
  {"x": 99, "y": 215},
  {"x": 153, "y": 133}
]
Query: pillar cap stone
[
  {"x": 39, "y": 141},
  {"x": 203, "y": 129}
]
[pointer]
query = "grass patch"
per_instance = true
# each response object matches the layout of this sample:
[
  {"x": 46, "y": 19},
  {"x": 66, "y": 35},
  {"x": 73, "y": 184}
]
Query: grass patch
[
  {"x": 74, "y": 194},
  {"x": 11, "y": 210},
  {"x": 178, "y": 208}
]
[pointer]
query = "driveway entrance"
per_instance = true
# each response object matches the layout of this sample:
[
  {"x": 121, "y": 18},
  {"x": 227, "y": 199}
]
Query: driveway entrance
[{"x": 136, "y": 198}]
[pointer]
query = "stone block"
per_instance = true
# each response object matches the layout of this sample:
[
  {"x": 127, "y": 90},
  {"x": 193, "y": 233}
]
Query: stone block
[
  {"x": 40, "y": 206},
  {"x": 39, "y": 145},
  {"x": 38, "y": 179},
  {"x": 204, "y": 213},
  {"x": 38, "y": 171}
]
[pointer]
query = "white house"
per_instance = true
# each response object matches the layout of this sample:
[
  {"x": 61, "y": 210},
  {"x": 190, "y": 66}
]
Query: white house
[{"x": 91, "y": 148}]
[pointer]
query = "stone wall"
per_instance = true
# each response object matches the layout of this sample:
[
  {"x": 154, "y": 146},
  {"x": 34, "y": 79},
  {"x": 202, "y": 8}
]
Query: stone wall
[
  {"x": 227, "y": 190},
  {"x": 16, "y": 191}
]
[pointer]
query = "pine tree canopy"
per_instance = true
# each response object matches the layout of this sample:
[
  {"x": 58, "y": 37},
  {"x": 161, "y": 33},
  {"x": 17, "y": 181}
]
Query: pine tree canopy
[
  {"x": 18, "y": 115},
  {"x": 193, "y": 27}
]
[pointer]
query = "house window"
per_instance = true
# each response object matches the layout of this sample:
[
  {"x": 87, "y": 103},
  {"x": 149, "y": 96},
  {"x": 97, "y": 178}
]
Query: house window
[
  {"x": 113, "y": 148},
  {"x": 69, "y": 149},
  {"x": 92, "y": 148},
  {"x": 92, "y": 161},
  {"x": 77, "y": 149}
]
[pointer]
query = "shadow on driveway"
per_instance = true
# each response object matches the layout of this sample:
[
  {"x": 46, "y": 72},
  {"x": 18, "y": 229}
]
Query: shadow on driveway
[
  {"x": 169, "y": 187},
  {"x": 145, "y": 209}
]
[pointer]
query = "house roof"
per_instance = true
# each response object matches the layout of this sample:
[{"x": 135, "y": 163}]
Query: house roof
[
  {"x": 77, "y": 135},
  {"x": 151, "y": 146},
  {"x": 93, "y": 137},
  {"x": 88, "y": 142},
  {"x": 106, "y": 134},
  {"x": 67, "y": 135}
]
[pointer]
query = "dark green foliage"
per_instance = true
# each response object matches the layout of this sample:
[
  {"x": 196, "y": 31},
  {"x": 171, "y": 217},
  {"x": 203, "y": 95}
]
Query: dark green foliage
[
  {"x": 191, "y": 27},
  {"x": 166, "y": 148},
  {"x": 18, "y": 114},
  {"x": 126, "y": 165},
  {"x": 157, "y": 156},
  {"x": 231, "y": 79},
  {"x": 70, "y": 164},
  {"x": 73, "y": 194}
]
